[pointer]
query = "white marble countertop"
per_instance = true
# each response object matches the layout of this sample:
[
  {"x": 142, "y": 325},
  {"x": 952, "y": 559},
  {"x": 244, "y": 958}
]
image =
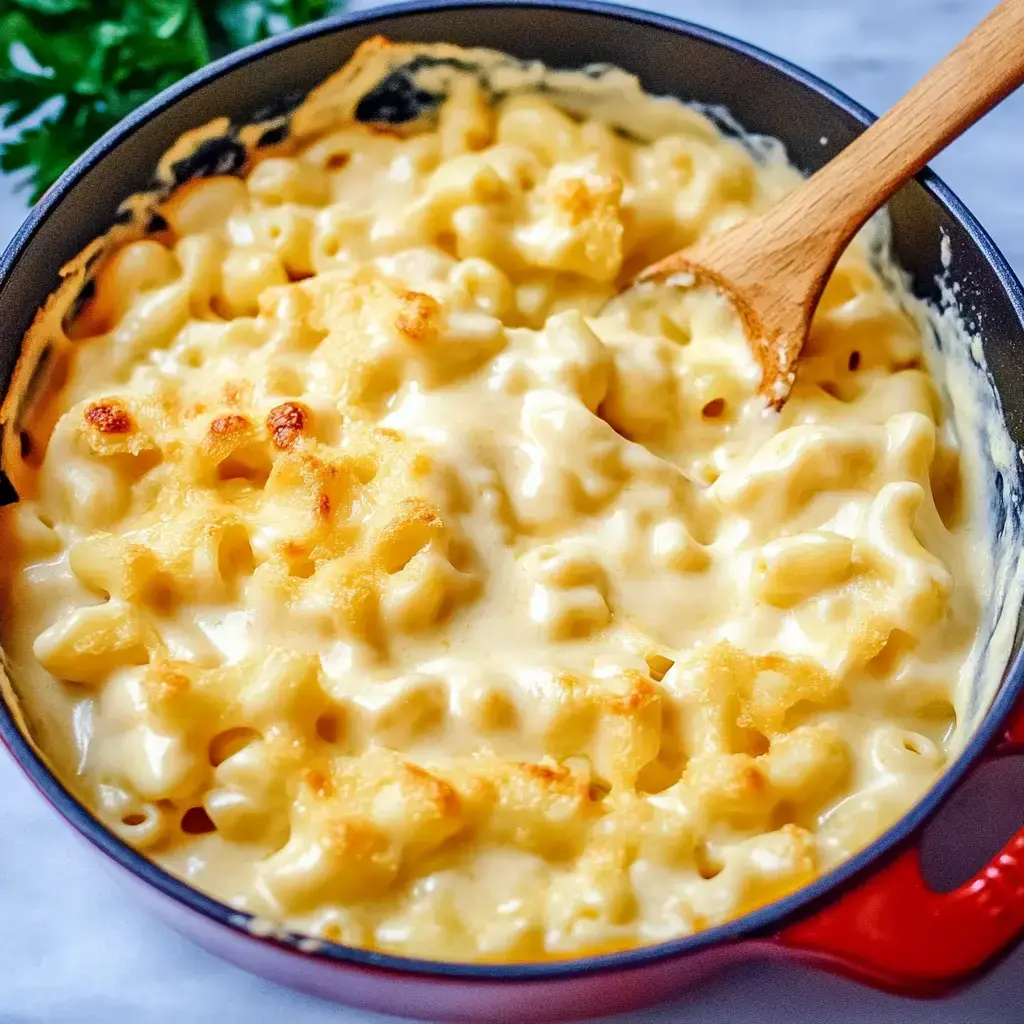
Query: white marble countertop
[{"x": 74, "y": 950}]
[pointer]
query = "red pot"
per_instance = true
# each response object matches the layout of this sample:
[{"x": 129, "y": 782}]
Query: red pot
[{"x": 873, "y": 918}]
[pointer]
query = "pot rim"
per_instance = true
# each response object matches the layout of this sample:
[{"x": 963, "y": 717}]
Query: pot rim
[{"x": 760, "y": 923}]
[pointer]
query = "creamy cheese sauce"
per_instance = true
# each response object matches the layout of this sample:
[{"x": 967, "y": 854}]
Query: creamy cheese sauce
[{"x": 389, "y": 577}]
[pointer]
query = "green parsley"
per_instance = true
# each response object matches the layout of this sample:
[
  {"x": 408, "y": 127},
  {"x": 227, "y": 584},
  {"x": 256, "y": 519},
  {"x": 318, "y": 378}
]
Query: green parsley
[{"x": 71, "y": 69}]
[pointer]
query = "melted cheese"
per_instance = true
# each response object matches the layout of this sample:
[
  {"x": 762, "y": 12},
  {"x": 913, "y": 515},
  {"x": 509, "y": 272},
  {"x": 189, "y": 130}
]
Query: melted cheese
[{"x": 383, "y": 580}]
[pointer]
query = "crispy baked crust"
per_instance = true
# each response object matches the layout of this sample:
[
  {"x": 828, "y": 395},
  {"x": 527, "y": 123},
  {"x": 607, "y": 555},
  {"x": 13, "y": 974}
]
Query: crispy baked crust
[{"x": 372, "y": 91}]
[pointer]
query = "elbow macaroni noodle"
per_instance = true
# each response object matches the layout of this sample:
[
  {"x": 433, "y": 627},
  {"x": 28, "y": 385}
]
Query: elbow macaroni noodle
[{"x": 381, "y": 580}]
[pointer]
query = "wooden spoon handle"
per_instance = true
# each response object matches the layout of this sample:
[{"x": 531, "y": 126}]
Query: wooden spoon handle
[{"x": 981, "y": 71}]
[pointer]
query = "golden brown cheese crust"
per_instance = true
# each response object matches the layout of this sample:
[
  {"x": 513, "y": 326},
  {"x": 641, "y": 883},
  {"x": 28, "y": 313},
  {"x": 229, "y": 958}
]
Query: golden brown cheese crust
[{"x": 419, "y": 605}]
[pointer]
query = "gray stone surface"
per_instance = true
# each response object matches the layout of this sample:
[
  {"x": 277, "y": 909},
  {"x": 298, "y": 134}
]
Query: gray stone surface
[{"x": 74, "y": 948}]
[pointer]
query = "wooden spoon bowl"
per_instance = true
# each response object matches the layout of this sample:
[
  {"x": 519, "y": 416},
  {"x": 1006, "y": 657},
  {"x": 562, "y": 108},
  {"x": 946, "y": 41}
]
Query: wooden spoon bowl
[{"x": 774, "y": 266}]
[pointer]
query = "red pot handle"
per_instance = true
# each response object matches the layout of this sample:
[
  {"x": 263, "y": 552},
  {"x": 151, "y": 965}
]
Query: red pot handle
[{"x": 894, "y": 932}]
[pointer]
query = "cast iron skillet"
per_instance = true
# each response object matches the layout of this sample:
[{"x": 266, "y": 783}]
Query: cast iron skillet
[{"x": 873, "y": 917}]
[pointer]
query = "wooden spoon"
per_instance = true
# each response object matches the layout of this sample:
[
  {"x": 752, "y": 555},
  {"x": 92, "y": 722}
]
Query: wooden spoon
[{"x": 774, "y": 266}]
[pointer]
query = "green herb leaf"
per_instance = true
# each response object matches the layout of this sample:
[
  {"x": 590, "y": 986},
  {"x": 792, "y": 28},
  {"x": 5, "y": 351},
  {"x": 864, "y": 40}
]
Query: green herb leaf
[
  {"x": 248, "y": 21},
  {"x": 242, "y": 21},
  {"x": 71, "y": 69},
  {"x": 52, "y": 6}
]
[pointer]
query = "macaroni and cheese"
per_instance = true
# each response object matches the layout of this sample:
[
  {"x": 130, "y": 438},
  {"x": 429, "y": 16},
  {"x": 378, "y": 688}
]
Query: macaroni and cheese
[{"x": 384, "y": 574}]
